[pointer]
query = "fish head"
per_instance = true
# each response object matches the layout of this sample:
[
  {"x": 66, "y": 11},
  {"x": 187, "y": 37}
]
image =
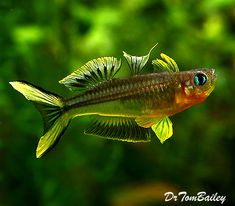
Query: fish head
[{"x": 197, "y": 85}]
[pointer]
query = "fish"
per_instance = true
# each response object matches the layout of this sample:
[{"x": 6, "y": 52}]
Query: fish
[{"x": 136, "y": 108}]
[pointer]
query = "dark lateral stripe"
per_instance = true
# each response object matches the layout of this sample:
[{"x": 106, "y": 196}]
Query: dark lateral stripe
[{"x": 115, "y": 89}]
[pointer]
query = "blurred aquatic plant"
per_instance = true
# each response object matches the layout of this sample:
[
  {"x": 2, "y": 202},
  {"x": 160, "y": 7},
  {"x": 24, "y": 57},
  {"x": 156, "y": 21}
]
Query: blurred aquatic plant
[{"x": 57, "y": 36}]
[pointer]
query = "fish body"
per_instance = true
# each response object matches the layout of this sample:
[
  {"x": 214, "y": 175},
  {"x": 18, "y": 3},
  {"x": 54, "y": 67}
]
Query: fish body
[
  {"x": 155, "y": 94},
  {"x": 129, "y": 109}
]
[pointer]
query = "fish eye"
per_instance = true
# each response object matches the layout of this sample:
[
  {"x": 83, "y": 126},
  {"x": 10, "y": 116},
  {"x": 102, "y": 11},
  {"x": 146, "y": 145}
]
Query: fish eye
[{"x": 200, "y": 79}]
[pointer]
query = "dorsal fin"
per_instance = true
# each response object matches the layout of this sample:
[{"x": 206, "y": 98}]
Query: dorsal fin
[
  {"x": 137, "y": 63},
  {"x": 92, "y": 73},
  {"x": 165, "y": 64}
]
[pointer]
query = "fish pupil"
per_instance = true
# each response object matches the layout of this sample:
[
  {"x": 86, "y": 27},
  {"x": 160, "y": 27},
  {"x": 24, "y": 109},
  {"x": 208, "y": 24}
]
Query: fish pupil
[{"x": 200, "y": 79}]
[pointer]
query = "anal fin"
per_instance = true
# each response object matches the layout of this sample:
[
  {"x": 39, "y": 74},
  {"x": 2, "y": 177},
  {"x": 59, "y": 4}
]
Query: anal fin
[{"x": 118, "y": 128}]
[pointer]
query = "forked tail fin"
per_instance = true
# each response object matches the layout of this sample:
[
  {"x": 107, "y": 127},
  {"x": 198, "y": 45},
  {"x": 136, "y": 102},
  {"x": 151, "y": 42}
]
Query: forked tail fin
[{"x": 51, "y": 108}]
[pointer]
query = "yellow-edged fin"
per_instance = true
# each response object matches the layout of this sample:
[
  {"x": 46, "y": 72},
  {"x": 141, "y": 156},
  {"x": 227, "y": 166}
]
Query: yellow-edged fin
[
  {"x": 51, "y": 108},
  {"x": 36, "y": 94},
  {"x": 137, "y": 63},
  {"x": 118, "y": 128},
  {"x": 147, "y": 122},
  {"x": 165, "y": 64},
  {"x": 92, "y": 73},
  {"x": 163, "y": 129},
  {"x": 52, "y": 136}
]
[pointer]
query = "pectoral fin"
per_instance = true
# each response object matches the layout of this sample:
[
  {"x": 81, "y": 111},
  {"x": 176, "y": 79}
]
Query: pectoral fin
[
  {"x": 163, "y": 129},
  {"x": 165, "y": 64}
]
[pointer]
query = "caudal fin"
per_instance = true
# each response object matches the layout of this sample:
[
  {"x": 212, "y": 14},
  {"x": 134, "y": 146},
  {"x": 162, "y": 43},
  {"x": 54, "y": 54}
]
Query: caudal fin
[{"x": 51, "y": 108}]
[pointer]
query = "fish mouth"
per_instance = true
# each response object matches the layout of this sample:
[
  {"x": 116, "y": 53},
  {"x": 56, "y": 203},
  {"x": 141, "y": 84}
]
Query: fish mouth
[
  {"x": 214, "y": 75},
  {"x": 212, "y": 82},
  {"x": 214, "y": 79}
]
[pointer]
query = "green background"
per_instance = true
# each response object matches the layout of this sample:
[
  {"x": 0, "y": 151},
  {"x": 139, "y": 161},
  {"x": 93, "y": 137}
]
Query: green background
[{"x": 43, "y": 41}]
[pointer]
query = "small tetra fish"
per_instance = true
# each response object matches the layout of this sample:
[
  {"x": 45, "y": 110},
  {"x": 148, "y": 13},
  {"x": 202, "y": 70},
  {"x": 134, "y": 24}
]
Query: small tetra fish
[{"x": 128, "y": 109}]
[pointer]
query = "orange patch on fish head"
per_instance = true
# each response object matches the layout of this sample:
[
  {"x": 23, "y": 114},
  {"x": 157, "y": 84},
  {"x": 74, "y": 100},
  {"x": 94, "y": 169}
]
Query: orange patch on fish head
[{"x": 197, "y": 87}]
